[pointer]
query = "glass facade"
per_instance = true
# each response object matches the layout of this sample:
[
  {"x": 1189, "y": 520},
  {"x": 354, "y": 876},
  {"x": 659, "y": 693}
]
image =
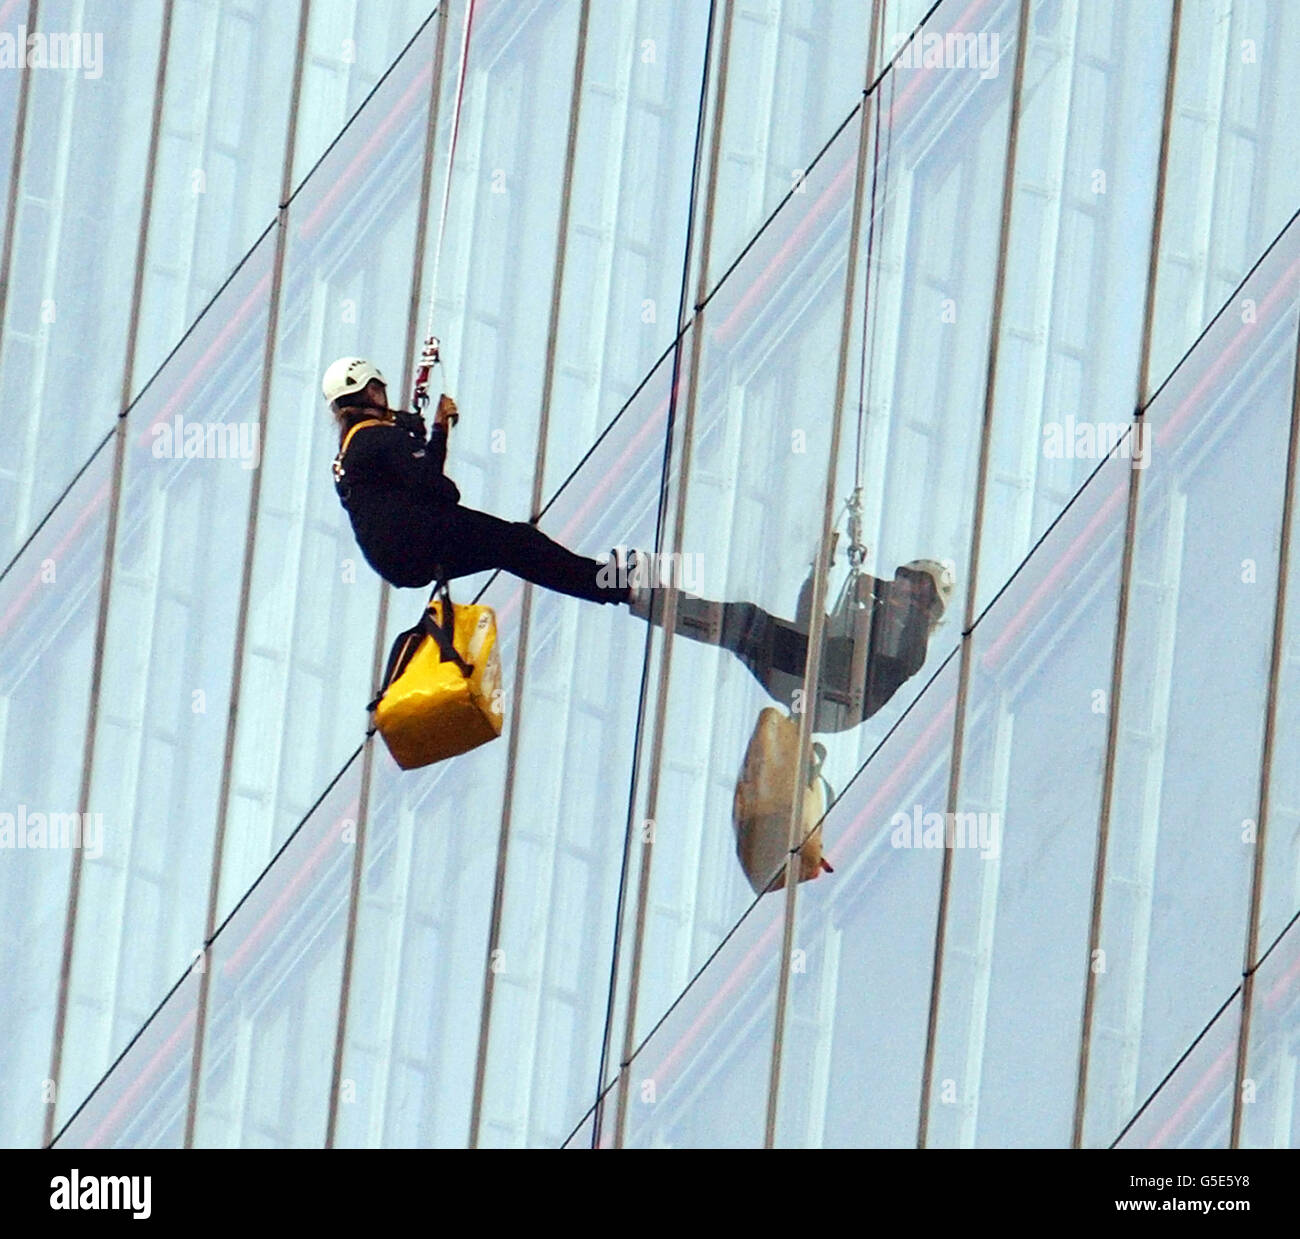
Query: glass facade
[{"x": 1021, "y": 275}]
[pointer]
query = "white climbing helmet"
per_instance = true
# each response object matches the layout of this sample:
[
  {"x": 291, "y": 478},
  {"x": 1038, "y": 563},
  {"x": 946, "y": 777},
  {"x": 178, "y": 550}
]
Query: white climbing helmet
[
  {"x": 348, "y": 375},
  {"x": 944, "y": 578}
]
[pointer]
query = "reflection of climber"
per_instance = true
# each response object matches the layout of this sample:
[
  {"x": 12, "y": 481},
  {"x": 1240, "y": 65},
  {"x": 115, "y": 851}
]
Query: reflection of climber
[
  {"x": 406, "y": 513},
  {"x": 875, "y": 640}
]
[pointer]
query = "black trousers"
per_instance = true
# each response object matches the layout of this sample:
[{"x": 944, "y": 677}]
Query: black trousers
[{"x": 464, "y": 541}]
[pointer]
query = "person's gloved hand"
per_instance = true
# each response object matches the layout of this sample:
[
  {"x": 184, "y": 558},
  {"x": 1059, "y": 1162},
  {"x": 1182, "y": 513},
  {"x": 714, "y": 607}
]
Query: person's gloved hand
[
  {"x": 412, "y": 423},
  {"x": 447, "y": 414}
]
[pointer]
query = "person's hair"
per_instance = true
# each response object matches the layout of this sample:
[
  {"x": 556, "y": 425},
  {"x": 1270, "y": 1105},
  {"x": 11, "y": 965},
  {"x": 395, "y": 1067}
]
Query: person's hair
[{"x": 341, "y": 406}]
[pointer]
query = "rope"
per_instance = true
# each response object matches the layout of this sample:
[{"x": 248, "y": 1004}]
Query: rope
[
  {"x": 430, "y": 356},
  {"x": 857, "y": 552}
]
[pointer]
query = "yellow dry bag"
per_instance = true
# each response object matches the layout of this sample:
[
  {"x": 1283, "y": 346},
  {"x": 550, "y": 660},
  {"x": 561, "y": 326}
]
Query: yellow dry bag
[
  {"x": 761, "y": 807},
  {"x": 441, "y": 694}
]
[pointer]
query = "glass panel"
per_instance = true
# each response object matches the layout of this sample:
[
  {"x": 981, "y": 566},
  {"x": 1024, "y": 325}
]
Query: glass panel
[
  {"x": 1193, "y": 1108},
  {"x": 189, "y": 457},
  {"x": 313, "y": 600},
  {"x": 48, "y": 603},
  {"x": 1271, "y": 1113},
  {"x": 582, "y": 1136},
  {"x": 220, "y": 158},
  {"x": 350, "y": 46},
  {"x": 686, "y": 1094},
  {"x": 1025, "y": 836},
  {"x": 272, "y": 1012},
  {"x": 417, "y": 982},
  {"x": 627, "y": 223},
  {"x": 498, "y": 258},
  {"x": 13, "y": 15},
  {"x": 1234, "y": 160},
  {"x": 1076, "y": 264},
  {"x": 78, "y": 213},
  {"x": 141, "y": 1102},
  {"x": 902, "y": 17},
  {"x": 572, "y": 783},
  {"x": 1199, "y": 632},
  {"x": 862, "y": 970},
  {"x": 276, "y": 972},
  {"x": 1280, "y": 895},
  {"x": 796, "y": 71}
]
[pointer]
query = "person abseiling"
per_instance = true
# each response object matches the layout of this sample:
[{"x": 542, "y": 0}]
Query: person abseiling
[{"x": 406, "y": 512}]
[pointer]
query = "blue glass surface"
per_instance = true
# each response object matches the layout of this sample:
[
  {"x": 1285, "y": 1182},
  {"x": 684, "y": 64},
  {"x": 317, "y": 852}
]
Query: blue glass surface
[
  {"x": 627, "y": 229},
  {"x": 48, "y": 600},
  {"x": 1270, "y": 1115},
  {"x": 1195, "y": 692},
  {"x": 757, "y": 427},
  {"x": 863, "y": 961},
  {"x": 1077, "y": 260},
  {"x": 276, "y": 970},
  {"x": 77, "y": 220},
  {"x": 220, "y": 159},
  {"x": 188, "y": 465},
  {"x": 1016, "y": 940},
  {"x": 1234, "y": 161},
  {"x": 1192, "y": 1108}
]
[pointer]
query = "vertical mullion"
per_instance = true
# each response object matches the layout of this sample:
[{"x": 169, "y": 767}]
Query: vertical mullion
[
  {"x": 1251, "y": 962},
  {"x": 557, "y": 284},
  {"x": 821, "y": 568},
  {"x": 1125, "y": 584},
  {"x": 526, "y": 605},
  {"x": 631, "y": 101},
  {"x": 110, "y": 533},
  {"x": 16, "y": 171},
  {"x": 414, "y": 306},
  {"x": 679, "y": 523},
  {"x": 245, "y": 584},
  {"x": 972, "y": 570}
]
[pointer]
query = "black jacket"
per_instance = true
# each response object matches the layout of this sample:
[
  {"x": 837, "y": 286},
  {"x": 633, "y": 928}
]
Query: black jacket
[{"x": 391, "y": 482}]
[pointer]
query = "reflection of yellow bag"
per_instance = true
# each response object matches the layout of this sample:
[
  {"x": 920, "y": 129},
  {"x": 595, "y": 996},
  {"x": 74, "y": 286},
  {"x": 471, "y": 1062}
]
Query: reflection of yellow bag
[
  {"x": 760, "y": 811},
  {"x": 442, "y": 691}
]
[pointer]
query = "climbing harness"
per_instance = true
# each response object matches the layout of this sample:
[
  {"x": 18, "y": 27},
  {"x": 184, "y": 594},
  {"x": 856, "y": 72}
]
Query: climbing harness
[{"x": 340, "y": 473}]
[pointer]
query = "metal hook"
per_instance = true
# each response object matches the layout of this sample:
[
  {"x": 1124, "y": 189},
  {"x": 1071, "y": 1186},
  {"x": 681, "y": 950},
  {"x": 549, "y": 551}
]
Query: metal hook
[{"x": 857, "y": 551}]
